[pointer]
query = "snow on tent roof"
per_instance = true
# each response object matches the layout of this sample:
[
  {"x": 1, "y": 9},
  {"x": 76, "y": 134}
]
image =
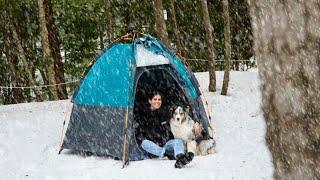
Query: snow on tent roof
[{"x": 148, "y": 58}]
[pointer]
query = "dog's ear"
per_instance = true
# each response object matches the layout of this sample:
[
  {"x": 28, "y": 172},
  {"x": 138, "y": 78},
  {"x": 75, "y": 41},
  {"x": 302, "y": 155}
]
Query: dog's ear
[
  {"x": 187, "y": 109},
  {"x": 171, "y": 110}
]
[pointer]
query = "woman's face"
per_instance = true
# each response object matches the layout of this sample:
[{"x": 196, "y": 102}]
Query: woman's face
[{"x": 155, "y": 102}]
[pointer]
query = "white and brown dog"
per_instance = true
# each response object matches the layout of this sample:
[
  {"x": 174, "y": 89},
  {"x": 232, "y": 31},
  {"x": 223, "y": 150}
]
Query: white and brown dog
[{"x": 181, "y": 125}]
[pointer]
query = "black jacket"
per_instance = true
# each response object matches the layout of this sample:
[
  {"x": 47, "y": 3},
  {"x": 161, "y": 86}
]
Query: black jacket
[{"x": 153, "y": 126}]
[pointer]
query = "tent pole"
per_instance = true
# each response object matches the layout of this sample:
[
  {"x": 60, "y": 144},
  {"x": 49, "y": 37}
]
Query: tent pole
[
  {"x": 205, "y": 102},
  {"x": 124, "y": 162},
  {"x": 209, "y": 112}
]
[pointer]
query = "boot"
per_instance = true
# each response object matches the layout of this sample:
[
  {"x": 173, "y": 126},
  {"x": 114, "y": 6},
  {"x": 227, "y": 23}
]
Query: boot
[
  {"x": 189, "y": 156},
  {"x": 183, "y": 159},
  {"x": 169, "y": 155}
]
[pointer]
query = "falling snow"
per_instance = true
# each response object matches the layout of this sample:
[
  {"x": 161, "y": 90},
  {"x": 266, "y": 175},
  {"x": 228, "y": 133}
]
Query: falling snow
[{"x": 30, "y": 136}]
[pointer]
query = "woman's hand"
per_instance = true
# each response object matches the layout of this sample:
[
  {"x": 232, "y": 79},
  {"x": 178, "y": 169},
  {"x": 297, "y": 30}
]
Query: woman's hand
[{"x": 196, "y": 129}]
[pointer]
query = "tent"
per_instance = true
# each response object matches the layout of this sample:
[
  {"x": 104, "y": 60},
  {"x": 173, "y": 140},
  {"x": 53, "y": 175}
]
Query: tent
[{"x": 105, "y": 101}]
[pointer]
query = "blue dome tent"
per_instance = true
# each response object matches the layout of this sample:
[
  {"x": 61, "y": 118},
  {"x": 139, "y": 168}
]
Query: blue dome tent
[{"x": 109, "y": 93}]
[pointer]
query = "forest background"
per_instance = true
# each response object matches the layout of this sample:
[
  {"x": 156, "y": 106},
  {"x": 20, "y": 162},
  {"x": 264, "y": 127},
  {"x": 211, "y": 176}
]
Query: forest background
[{"x": 71, "y": 33}]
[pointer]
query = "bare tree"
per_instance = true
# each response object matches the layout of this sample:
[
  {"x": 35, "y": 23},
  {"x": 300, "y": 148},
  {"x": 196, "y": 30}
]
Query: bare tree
[
  {"x": 161, "y": 28},
  {"x": 176, "y": 31},
  {"x": 209, "y": 41},
  {"x": 46, "y": 48},
  {"x": 227, "y": 36},
  {"x": 287, "y": 43}
]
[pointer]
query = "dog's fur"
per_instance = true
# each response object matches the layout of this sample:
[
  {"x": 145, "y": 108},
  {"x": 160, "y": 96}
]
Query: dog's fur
[{"x": 182, "y": 127}]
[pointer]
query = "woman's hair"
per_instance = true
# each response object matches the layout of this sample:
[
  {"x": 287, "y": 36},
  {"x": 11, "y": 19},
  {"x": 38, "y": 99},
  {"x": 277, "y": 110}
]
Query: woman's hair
[{"x": 154, "y": 93}]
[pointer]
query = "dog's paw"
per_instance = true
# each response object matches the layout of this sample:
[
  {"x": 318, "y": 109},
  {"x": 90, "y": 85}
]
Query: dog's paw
[
  {"x": 211, "y": 149},
  {"x": 206, "y": 147}
]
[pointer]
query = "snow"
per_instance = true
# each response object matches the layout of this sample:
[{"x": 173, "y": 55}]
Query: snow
[{"x": 30, "y": 136}]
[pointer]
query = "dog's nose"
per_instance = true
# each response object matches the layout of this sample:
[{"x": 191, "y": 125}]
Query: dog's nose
[{"x": 178, "y": 119}]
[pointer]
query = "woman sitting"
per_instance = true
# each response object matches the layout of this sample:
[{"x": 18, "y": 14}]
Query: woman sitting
[{"x": 154, "y": 133}]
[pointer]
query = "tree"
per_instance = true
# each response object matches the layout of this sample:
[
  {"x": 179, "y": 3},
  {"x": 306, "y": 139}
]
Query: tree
[
  {"x": 46, "y": 47},
  {"x": 241, "y": 32},
  {"x": 54, "y": 45},
  {"x": 286, "y": 37},
  {"x": 227, "y": 35},
  {"x": 235, "y": 24},
  {"x": 22, "y": 57},
  {"x": 176, "y": 32},
  {"x": 81, "y": 27},
  {"x": 108, "y": 18},
  {"x": 209, "y": 41},
  {"x": 17, "y": 93},
  {"x": 161, "y": 28},
  {"x": 25, "y": 64}
]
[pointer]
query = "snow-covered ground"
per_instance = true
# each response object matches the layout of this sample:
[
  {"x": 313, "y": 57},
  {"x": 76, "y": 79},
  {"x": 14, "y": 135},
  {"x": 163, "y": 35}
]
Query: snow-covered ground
[{"x": 30, "y": 136}]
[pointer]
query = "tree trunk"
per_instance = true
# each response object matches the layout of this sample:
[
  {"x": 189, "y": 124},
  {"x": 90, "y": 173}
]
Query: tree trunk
[
  {"x": 237, "y": 64},
  {"x": 127, "y": 16},
  {"x": 287, "y": 43},
  {"x": 25, "y": 64},
  {"x": 17, "y": 93},
  {"x": 176, "y": 31},
  {"x": 209, "y": 41},
  {"x": 227, "y": 37},
  {"x": 46, "y": 48},
  {"x": 54, "y": 45},
  {"x": 161, "y": 28},
  {"x": 238, "y": 27},
  {"x": 108, "y": 18}
]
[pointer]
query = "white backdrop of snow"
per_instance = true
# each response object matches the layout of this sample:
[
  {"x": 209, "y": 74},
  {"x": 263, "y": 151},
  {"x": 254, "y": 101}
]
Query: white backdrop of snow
[{"x": 30, "y": 137}]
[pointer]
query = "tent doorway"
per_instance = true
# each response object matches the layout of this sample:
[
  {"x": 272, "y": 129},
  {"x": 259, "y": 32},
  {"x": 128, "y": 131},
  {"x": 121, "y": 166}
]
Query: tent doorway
[
  {"x": 158, "y": 78},
  {"x": 162, "y": 80}
]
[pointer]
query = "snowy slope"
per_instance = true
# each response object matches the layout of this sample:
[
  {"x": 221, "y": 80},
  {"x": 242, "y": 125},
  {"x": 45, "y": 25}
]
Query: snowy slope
[{"x": 30, "y": 135}]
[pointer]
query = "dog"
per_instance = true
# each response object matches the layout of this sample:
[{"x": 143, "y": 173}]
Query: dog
[{"x": 181, "y": 125}]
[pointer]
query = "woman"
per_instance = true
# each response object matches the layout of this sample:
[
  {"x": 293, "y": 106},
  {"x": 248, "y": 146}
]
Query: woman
[{"x": 154, "y": 133}]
